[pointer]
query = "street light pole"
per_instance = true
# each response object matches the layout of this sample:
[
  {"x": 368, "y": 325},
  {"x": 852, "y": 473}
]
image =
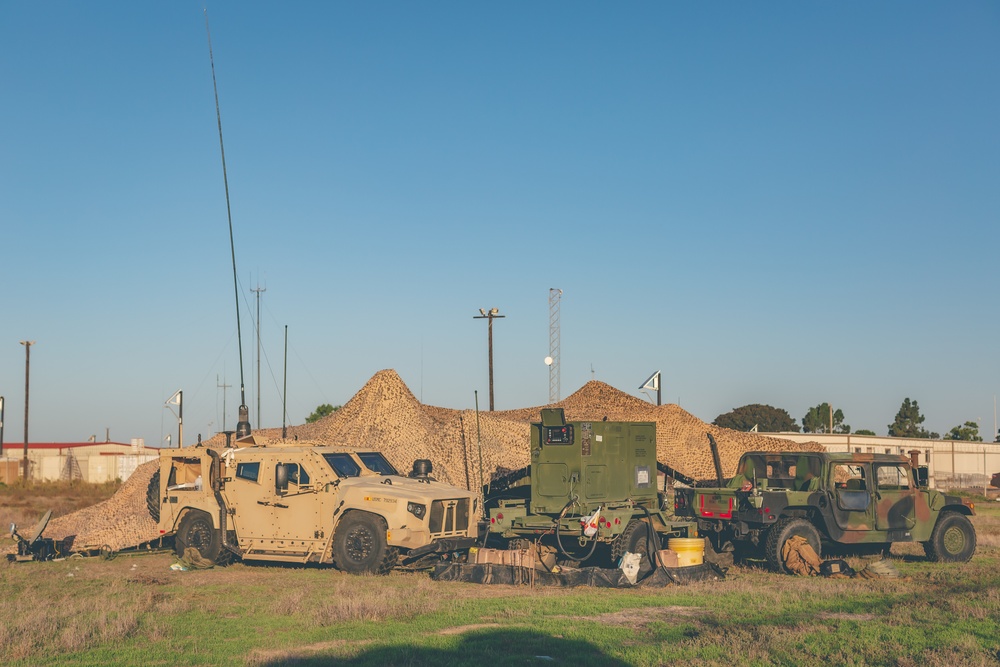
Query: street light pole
[
  {"x": 490, "y": 315},
  {"x": 27, "y": 374}
]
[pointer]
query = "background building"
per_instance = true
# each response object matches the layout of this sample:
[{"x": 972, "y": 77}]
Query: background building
[{"x": 84, "y": 461}]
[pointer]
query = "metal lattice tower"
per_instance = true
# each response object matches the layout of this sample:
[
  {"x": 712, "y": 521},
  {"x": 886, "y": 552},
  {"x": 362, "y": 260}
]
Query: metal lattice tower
[{"x": 555, "y": 296}]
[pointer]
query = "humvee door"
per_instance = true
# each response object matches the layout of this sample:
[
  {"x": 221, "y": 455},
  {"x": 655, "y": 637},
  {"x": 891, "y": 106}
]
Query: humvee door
[
  {"x": 852, "y": 504},
  {"x": 895, "y": 495}
]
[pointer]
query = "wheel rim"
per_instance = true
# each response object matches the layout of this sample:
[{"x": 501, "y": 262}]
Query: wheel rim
[
  {"x": 360, "y": 544},
  {"x": 954, "y": 540},
  {"x": 200, "y": 537}
]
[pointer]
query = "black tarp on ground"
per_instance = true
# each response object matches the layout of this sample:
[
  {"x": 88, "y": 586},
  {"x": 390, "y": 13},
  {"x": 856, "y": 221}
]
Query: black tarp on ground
[{"x": 491, "y": 573}]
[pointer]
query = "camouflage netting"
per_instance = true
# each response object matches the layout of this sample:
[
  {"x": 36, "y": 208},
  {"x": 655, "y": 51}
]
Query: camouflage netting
[{"x": 386, "y": 416}]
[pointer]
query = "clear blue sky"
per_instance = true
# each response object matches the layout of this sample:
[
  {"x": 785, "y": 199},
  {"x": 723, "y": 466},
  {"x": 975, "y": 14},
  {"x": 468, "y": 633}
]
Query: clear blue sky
[{"x": 785, "y": 203}]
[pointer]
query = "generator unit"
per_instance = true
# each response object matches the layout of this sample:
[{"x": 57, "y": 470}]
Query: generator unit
[{"x": 589, "y": 482}]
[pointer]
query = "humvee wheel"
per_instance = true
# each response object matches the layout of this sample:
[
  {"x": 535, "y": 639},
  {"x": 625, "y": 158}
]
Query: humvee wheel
[
  {"x": 360, "y": 547},
  {"x": 953, "y": 539},
  {"x": 636, "y": 539},
  {"x": 196, "y": 530},
  {"x": 153, "y": 496},
  {"x": 780, "y": 533}
]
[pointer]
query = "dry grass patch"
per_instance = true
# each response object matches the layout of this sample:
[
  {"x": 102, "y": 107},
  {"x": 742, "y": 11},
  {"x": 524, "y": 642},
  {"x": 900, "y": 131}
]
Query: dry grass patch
[
  {"x": 34, "y": 619},
  {"x": 342, "y": 647},
  {"x": 24, "y": 504},
  {"x": 462, "y": 629}
]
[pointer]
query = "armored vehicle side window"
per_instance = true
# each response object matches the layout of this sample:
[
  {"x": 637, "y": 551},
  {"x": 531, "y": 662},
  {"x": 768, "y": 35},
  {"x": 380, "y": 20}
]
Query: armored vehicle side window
[
  {"x": 377, "y": 463},
  {"x": 892, "y": 477},
  {"x": 343, "y": 465},
  {"x": 297, "y": 474},
  {"x": 250, "y": 471}
]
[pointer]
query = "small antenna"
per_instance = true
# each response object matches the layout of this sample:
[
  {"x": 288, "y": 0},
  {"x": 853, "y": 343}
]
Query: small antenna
[{"x": 243, "y": 425}]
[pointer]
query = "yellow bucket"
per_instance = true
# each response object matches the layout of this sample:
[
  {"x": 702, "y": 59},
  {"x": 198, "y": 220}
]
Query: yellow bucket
[{"x": 689, "y": 550}]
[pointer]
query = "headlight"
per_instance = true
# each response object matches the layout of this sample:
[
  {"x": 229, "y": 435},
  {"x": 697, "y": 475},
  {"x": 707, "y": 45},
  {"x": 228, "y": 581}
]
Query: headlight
[{"x": 416, "y": 509}]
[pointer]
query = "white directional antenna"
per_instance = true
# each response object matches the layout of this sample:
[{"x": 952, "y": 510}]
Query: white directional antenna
[{"x": 555, "y": 296}]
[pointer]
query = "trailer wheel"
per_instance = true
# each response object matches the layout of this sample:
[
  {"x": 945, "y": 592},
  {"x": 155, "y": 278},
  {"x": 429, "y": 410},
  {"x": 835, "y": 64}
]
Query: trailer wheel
[
  {"x": 360, "y": 547},
  {"x": 953, "y": 539},
  {"x": 636, "y": 538},
  {"x": 780, "y": 533},
  {"x": 196, "y": 530},
  {"x": 153, "y": 496}
]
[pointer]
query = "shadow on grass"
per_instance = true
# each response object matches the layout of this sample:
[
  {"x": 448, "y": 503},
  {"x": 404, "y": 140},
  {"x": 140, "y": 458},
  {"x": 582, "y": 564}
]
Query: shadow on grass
[{"x": 481, "y": 647}]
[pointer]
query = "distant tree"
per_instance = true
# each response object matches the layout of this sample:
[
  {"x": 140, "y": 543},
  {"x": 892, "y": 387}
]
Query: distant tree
[
  {"x": 766, "y": 418},
  {"x": 321, "y": 411},
  {"x": 967, "y": 431},
  {"x": 864, "y": 431},
  {"x": 908, "y": 422},
  {"x": 817, "y": 420},
  {"x": 998, "y": 436}
]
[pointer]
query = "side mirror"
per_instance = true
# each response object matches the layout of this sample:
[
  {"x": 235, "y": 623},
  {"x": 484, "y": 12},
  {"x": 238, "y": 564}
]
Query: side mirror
[
  {"x": 13, "y": 529},
  {"x": 281, "y": 478}
]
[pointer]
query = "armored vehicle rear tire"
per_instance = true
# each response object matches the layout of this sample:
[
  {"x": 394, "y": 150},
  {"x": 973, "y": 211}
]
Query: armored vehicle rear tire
[
  {"x": 360, "y": 547},
  {"x": 637, "y": 538},
  {"x": 196, "y": 530},
  {"x": 953, "y": 539},
  {"x": 153, "y": 496},
  {"x": 780, "y": 533}
]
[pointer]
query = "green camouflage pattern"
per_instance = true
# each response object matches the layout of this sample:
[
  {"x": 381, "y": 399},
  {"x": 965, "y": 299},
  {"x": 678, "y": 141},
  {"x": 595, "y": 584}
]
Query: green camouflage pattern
[{"x": 850, "y": 498}]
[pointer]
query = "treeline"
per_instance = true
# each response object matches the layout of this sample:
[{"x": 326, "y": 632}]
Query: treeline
[{"x": 818, "y": 419}]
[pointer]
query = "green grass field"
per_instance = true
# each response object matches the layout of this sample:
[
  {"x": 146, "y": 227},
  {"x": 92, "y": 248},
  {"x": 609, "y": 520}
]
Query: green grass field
[{"x": 134, "y": 610}]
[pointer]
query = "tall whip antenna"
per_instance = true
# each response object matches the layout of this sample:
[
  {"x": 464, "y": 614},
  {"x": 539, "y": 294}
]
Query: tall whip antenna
[{"x": 243, "y": 425}]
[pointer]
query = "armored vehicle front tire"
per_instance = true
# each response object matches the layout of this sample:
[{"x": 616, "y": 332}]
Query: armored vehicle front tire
[
  {"x": 953, "y": 539},
  {"x": 781, "y": 532},
  {"x": 360, "y": 546},
  {"x": 196, "y": 530}
]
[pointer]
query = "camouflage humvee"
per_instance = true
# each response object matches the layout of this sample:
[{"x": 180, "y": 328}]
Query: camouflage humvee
[
  {"x": 839, "y": 502},
  {"x": 301, "y": 504}
]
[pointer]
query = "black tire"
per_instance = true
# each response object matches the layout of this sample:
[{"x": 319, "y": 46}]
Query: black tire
[
  {"x": 196, "y": 530},
  {"x": 360, "y": 547},
  {"x": 781, "y": 532},
  {"x": 636, "y": 538},
  {"x": 953, "y": 539},
  {"x": 153, "y": 496}
]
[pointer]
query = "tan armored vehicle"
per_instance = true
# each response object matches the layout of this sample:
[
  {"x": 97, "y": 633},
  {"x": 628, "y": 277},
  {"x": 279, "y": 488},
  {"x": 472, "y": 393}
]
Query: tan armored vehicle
[{"x": 307, "y": 504}]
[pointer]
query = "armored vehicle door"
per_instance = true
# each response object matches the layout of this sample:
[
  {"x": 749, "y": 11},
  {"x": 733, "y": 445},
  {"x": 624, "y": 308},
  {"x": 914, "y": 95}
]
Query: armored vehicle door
[
  {"x": 274, "y": 520},
  {"x": 894, "y": 495},
  {"x": 852, "y": 506}
]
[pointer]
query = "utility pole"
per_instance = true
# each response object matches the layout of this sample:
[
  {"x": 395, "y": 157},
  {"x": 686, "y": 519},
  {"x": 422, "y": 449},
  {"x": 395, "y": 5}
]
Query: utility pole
[
  {"x": 27, "y": 374},
  {"x": 492, "y": 314},
  {"x": 222, "y": 386},
  {"x": 1, "y": 425},
  {"x": 258, "y": 290}
]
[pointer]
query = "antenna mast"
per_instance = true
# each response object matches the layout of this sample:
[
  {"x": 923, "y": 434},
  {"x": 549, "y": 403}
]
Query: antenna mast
[
  {"x": 555, "y": 296},
  {"x": 243, "y": 425}
]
